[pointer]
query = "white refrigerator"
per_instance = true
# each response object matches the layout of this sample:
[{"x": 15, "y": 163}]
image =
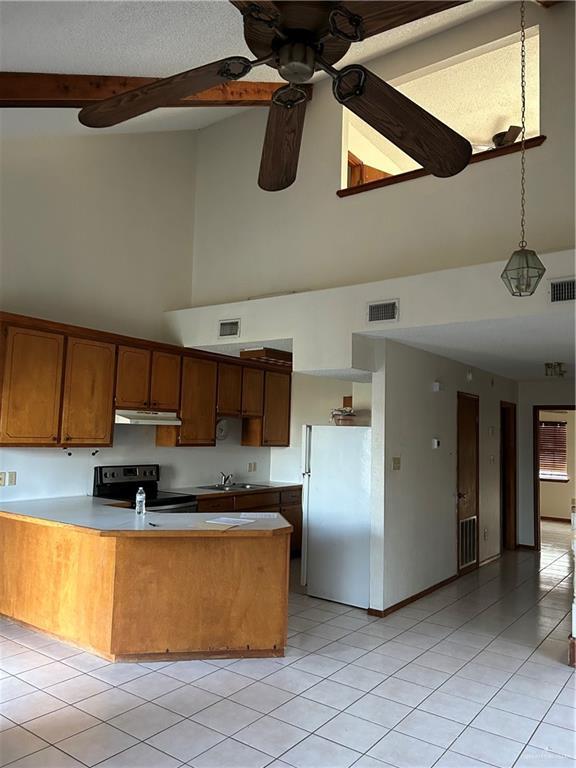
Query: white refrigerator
[{"x": 336, "y": 513}]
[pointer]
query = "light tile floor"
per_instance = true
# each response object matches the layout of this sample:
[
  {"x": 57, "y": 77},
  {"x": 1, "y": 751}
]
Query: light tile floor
[{"x": 475, "y": 674}]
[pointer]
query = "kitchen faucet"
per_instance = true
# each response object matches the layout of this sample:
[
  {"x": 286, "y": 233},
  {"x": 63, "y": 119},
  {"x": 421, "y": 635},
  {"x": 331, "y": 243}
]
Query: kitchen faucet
[{"x": 225, "y": 479}]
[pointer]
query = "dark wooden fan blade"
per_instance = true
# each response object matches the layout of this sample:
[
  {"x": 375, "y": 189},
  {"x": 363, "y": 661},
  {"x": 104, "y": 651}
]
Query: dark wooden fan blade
[
  {"x": 267, "y": 6},
  {"x": 434, "y": 145},
  {"x": 158, "y": 94},
  {"x": 380, "y": 16},
  {"x": 281, "y": 150}
]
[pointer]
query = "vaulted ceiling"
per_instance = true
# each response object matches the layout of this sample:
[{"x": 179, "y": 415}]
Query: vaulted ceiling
[{"x": 153, "y": 39}]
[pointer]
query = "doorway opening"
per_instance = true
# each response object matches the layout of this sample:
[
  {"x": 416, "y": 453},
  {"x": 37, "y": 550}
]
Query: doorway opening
[
  {"x": 554, "y": 431},
  {"x": 508, "y": 470},
  {"x": 468, "y": 481}
]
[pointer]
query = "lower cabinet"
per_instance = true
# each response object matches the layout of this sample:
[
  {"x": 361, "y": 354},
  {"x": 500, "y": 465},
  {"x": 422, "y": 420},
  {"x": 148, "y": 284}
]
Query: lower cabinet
[{"x": 87, "y": 406}]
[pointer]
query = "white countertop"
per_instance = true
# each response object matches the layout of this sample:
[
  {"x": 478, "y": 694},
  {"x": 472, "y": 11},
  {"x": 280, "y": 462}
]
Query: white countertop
[{"x": 99, "y": 515}]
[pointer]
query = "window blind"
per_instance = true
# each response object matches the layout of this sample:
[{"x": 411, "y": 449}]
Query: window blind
[{"x": 552, "y": 443}]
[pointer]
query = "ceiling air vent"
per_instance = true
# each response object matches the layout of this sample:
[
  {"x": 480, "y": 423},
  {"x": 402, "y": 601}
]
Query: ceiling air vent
[
  {"x": 383, "y": 311},
  {"x": 562, "y": 290},
  {"x": 228, "y": 329}
]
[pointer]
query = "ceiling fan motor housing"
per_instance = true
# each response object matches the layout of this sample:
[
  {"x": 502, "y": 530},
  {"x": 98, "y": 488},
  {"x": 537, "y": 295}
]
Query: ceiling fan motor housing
[{"x": 296, "y": 62}]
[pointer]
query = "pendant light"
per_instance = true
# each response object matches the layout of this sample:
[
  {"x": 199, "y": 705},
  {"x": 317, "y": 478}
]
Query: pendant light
[{"x": 524, "y": 269}]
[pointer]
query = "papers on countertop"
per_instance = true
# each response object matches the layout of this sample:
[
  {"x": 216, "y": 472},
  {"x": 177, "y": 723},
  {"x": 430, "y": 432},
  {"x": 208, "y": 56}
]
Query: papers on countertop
[
  {"x": 230, "y": 520},
  {"x": 259, "y": 515}
]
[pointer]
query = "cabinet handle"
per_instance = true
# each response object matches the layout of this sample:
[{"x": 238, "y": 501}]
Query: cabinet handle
[
  {"x": 68, "y": 438},
  {"x": 55, "y": 438}
]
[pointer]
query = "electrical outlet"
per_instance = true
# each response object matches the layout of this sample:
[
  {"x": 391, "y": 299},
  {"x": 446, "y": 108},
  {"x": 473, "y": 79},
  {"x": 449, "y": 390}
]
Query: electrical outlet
[
  {"x": 485, "y": 534},
  {"x": 396, "y": 462},
  {"x": 11, "y": 478},
  {"x": 251, "y": 466},
  {"x": 2, "y": 479},
  {"x": 254, "y": 466}
]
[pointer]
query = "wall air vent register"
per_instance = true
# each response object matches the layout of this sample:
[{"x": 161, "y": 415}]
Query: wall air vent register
[
  {"x": 383, "y": 311},
  {"x": 562, "y": 290},
  {"x": 228, "y": 329}
]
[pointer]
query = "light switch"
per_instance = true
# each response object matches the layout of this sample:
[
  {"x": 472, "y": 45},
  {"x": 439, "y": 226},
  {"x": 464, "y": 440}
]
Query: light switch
[
  {"x": 11, "y": 478},
  {"x": 435, "y": 443},
  {"x": 2, "y": 479},
  {"x": 396, "y": 462}
]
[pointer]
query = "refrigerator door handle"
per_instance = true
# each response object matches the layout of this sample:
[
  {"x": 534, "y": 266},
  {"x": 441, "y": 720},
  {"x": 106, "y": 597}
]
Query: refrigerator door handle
[{"x": 306, "y": 472}]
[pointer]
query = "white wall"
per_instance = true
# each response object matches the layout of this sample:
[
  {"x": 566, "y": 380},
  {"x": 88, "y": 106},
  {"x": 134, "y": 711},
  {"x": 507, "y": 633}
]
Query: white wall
[
  {"x": 313, "y": 397},
  {"x": 327, "y": 327},
  {"x": 97, "y": 230},
  {"x": 531, "y": 393},
  {"x": 50, "y": 472},
  {"x": 556, "y": 498},
  {"x": 307, "y": 238},
  {"x": 420, "y": 499}
]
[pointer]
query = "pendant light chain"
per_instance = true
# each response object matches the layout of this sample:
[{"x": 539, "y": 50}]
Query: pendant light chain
[{"x": 522, "y": 242}]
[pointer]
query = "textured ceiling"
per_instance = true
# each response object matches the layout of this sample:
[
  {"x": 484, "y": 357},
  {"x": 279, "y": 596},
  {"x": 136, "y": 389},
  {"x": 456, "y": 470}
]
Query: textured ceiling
[
  {"x": 152, "y": 38},
  {"x": 478, "y": 97}
]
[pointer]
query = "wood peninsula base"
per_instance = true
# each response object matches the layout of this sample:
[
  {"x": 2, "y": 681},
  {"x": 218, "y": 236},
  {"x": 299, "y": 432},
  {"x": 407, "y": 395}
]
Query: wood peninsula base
[{"x": 148, "y": 595}]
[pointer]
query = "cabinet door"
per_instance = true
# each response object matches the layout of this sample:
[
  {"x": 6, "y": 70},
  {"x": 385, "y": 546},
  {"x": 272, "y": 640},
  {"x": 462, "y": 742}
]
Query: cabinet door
[
  {"x": 32, "y": 387},
  {"x": 276, "y": 426},
  {"x": 252, "y": 392},
  {"x": 133, "y": 378},
  {"x": 198, "y": 402},
  {"x": 229, "y": 390},
  {"x": 165, "y": 381},
  {"x": 293, "y": 515},
  {"x": 88, "y": 401}
]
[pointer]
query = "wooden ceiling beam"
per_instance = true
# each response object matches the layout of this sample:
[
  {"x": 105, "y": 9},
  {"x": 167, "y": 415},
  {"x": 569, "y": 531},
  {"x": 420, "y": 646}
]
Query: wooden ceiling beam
[{"x": 30, "y": 89}]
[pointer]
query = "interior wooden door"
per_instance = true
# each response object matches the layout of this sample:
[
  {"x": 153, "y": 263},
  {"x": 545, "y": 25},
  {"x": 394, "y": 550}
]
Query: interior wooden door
[
  {"x": 468, "y": 481},
  {"x": 165, "y": 381},
  {"x": 276, "y": 426},
  {"x": 198, "y": 402},
  {"x": 508, "y": 474},
  {"x": 229, "y": 390},
  {"x": 32, "y": 387},
  {"x": 133, "y": 378},
  {"x": 252, "y": 392},
  {"x": 88, "y": 404}
]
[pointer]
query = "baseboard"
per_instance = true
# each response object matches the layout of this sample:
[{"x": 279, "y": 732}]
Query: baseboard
[
  {"x": 556, "y": 519},
  {"x": 490, "y": 560},
  {"x": 412, "y": 599},
  {"x": 572, "y": 651},
  {"x": 531, "y": 547}
]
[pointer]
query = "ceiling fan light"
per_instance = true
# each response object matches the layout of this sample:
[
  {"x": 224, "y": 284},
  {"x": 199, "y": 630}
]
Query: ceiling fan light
[{"x": 523, "y": 272}]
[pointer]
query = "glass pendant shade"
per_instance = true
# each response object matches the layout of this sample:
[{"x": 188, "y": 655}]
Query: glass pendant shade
[{"x": 523, "y": 272}]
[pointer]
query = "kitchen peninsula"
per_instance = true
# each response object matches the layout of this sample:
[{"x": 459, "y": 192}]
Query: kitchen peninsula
[{"x": 170, "y": 586}]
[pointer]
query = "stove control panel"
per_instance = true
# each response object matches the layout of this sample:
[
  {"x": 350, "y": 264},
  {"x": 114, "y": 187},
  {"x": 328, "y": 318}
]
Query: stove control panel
[{"x": 131, "y": 473}]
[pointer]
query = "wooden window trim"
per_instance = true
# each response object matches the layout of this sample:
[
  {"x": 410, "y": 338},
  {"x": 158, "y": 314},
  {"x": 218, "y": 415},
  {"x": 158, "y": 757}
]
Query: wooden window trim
[{"x": 536, "y": 141}]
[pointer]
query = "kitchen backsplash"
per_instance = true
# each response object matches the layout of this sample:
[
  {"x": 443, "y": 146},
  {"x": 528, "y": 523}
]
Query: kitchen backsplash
[{"x": 50, "y": 472}]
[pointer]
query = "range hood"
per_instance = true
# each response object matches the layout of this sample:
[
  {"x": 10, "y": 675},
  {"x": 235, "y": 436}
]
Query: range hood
[{"x": 164, "y": 418}]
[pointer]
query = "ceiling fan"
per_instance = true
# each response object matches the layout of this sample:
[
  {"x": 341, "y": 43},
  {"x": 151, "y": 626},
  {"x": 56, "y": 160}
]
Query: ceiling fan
[{"x": 299, "y": 38}]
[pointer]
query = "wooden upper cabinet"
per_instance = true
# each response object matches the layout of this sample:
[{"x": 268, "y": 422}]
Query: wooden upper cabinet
[
  {"x": 229, "y": 390},
  {"x": 32, "y": 387},
  {"x": 165, "y": 381},
  {"x": 88, "y": 403},
  {"x": 133, "y": 378},
  {"x": 276, "y": 423},
  {"x": 198, "y": 402},
  {"x": 252, "y": 392}
]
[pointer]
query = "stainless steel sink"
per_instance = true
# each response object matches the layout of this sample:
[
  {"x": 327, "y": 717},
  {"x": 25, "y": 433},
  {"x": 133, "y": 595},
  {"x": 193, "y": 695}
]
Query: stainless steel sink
[{"x": 231, "y": 487}]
